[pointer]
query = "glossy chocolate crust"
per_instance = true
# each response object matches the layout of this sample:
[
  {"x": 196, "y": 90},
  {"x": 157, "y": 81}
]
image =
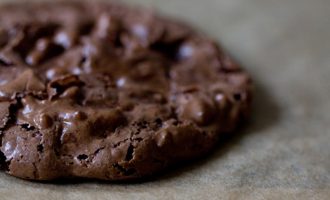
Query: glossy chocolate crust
[{"x": 103, "y": 91}]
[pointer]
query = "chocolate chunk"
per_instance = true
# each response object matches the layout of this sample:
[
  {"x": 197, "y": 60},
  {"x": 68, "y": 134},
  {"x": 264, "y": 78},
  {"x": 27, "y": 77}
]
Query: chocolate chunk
[
  {"x": 197, "y": 108},
  {"x": 61, "y": 85},
  {"x": 99, "y": 90}
]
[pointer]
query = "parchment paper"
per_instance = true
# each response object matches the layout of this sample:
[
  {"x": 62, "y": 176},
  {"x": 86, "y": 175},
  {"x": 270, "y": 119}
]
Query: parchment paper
[{"x": 284, "y": 152}]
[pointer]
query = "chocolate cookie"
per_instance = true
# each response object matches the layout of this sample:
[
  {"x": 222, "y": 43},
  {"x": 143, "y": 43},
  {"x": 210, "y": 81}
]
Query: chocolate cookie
[{"x": 100, "y": 90}]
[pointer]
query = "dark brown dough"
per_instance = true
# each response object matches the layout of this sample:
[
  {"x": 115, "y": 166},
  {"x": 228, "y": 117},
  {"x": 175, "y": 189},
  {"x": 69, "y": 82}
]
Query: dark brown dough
[{"x": 100, "y": 90}]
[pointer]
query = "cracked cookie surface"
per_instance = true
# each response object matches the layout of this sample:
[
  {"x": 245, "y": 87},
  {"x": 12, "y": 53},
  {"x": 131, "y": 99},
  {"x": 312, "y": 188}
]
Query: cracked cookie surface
[{"x": 105, "y": 91}]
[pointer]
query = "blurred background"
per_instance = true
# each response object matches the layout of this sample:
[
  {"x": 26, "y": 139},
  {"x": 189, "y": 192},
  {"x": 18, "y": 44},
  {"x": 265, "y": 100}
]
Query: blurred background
[{"x": 284, "y": 151}]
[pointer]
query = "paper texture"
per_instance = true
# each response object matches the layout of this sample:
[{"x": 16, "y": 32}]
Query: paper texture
[{"x": 284, "y": 153}]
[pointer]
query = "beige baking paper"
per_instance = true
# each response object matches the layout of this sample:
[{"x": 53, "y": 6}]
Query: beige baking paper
[{"x": 284, "y": 153}]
